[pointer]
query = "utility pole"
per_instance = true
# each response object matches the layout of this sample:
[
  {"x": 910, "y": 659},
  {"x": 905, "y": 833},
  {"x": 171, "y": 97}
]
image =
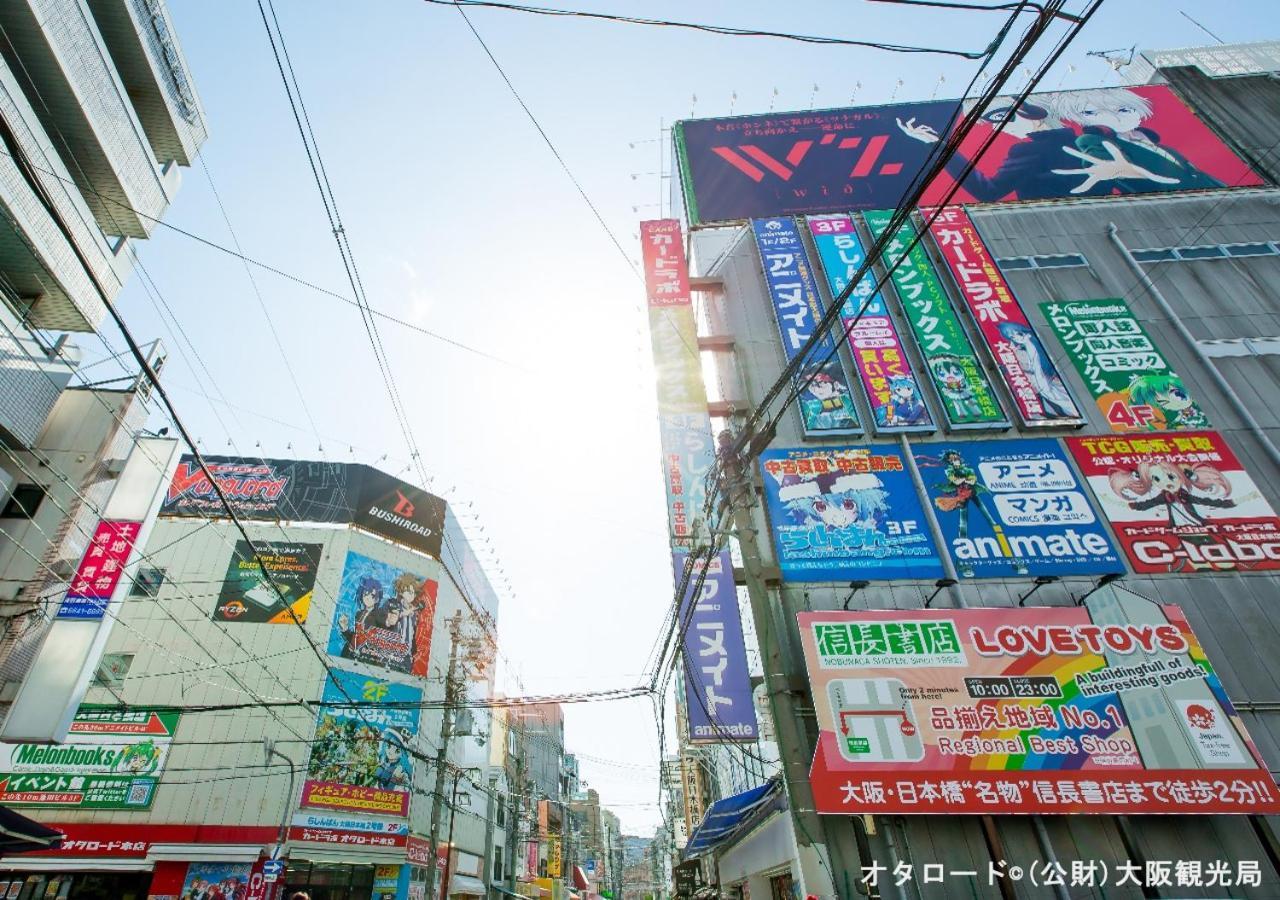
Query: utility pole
[
  {"x": 520, "y": 792},
  {"x": 490, "y": 817},
  {"x": 442, "y": 755},
  {"x": 782, "y": 688}
]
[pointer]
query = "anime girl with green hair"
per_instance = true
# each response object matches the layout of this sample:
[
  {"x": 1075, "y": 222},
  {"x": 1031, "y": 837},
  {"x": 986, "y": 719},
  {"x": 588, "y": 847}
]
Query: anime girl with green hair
[{"x": 1168, "y": 394}]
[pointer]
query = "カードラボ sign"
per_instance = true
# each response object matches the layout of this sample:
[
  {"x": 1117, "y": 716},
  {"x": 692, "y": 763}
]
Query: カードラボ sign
[
  {"x": 1111, "y": 707},
  {"x": 1180, "y": 502}
]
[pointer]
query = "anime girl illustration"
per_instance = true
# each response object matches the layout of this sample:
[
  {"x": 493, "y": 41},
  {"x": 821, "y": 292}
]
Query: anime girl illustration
[
  {"x": 1040, "y": 370},
  {"x": 1118, "y": 150},
  {"x": 962, "y": 492},
  {"x": 905, "y": 407},
  {"x": 1181, "y": 490},
  {"x": 852, "y": 507},
  {"x": 393, "y": 769},
  {"x": 1167, "y": 394},
  {"x": 954, "y": 385},
  {"x": 827, "y": 405},
  {"x": 139, "y": 759}
]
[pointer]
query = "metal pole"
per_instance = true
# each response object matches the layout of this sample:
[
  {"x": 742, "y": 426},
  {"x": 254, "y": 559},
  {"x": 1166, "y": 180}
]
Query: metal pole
[
  {"x": 270, "y": 747},
  {"x": 442, "y": 756},
  {"x": 490, "y": 814},
  {"x": 1218, "y": 378},
  {"x": 935, "y": 529}
]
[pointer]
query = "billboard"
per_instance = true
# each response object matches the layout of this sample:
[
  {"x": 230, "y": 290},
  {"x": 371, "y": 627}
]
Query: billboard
[
  {"x": 1028, "y": 370},
  {"x": 826, "y": 406},
  {"x": 1015, "y": 508},
  {"x": 398, "y": 511},
  {"x": 217, "y": 879},
  {"x": 112, "y": 759},
  {"x": 1111, "y": 707},
  {"x": 1127, "y": 374},
  {"x": 247, "y": 596},
  {"x": 1057, "y": 145},
  {"x": 100, "y": 569},
  {"x": 846, "y": 512},
  {"x": 968, "y": 400},
  {"x": 890, "y": 384},
  {"x": 359, "y": 760},
  {"x": 1180, "y": 503},
  {"x": 383, "y": 616},
  {"x": 717, "y": 680}
]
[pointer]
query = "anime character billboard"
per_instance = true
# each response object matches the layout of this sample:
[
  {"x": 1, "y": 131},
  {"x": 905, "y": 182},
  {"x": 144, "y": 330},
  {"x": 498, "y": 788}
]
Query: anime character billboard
[
  {"x": 846, "y": 512},
  {"x": 359, "y": 758},
  {"x": 1125, "y": 371},
  {"x": 1092, "y": 143},
  {"x": 383, "y": 616},
  {"x": 1015, "y": 508},
  {"x": 216, "y": 881},
  {"x": 1110, "y": 707},
  {"x": 1180, "y": 502}
]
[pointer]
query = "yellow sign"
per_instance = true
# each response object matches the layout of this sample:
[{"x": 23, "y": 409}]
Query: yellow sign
[{"x": 553, "y": 857}]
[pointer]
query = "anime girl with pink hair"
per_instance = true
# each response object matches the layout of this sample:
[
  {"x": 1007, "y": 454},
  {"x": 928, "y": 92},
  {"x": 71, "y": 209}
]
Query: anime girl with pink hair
[{"x": 1181, "y": 490}]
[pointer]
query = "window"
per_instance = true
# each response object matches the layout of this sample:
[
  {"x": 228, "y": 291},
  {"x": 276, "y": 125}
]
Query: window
[
  {"x": 1250, "y": 250},
  {"x": 113, "y": 669},
  {"x": 497, "y": 864},
  {"x": 23, "y": 502},
  {"x": 500, "y": 816},
  {"x": 147, "y": 582},
  {"x": 1153, "y": 255},
  {"x": 1211, "y": 252},
  {"x": 1047, "y": 261},
  {"x": 1206, "y": 251}
]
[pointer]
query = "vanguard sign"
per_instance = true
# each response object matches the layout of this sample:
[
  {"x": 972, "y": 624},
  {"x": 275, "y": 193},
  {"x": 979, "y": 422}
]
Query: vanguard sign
[
  {"x": 1025, "y": 711},
  {"x": 1091, "y": 143}
]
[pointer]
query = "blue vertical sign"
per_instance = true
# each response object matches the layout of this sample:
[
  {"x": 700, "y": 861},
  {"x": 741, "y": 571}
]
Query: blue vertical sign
[
  {"x": 826, "y": 405},
  {"x": 717, "y": 681}
]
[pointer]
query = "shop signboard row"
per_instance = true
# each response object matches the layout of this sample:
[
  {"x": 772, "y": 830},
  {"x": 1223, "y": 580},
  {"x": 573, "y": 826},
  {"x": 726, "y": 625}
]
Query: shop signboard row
[
  {"x": 1109, "y": 707},
  {"x": 1177, "y": 502}
]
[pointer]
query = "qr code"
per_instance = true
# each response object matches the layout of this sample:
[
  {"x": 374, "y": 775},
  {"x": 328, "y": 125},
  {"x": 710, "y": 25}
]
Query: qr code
[{"x": 139, "y": 793}]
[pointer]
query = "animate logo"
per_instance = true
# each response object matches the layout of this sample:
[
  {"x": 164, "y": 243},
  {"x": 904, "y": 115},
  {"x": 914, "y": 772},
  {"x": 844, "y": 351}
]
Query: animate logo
[{"x": 752, "y": 161}]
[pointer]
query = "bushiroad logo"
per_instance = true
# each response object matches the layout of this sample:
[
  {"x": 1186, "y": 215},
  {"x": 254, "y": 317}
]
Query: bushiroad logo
[
  {"x": 845, "y": 645},
  {"x": 403, "y": 507}
]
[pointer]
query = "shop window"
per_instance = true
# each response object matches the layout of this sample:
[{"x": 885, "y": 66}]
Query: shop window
[{"x": 23, "y": 502}]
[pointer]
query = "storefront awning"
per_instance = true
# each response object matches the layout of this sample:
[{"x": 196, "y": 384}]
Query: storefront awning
[
  {"x": 466, "y": 886},
  {"x": 725, "y": 817},
  {"x": 18, "y": 834},
  {"x": 580, "y": 879}
]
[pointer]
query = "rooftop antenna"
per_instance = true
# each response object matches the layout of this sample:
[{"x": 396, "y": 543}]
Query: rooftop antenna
[
  {"x": 733, "y": 100},
  {"x": 857, "y": 86},
  {"x": 894, "y": 95},
  {"x": 1201, "y": 27},
  {"x": 937, "y": 87},
  {"x": 813, "y": 96},
  {"x": 694, "y": 106},
  {"x": 1117, "y": 59},
  {"x": 1065, "y": 75},
  {"x": 774, "y": 100}
]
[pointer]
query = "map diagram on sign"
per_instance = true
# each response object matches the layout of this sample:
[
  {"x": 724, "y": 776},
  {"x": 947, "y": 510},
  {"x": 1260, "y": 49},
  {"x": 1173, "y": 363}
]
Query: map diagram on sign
[{"x": 875, "y": 720}]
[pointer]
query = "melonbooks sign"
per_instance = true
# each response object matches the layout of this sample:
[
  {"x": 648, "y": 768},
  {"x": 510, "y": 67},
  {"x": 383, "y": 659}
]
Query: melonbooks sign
[{"x": 1025, "y": 711}]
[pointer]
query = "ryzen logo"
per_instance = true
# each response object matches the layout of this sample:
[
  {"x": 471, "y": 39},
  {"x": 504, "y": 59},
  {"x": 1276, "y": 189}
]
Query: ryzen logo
[
  {"x": 403, "y": 507},
  {"x": 753, "y": 162}
]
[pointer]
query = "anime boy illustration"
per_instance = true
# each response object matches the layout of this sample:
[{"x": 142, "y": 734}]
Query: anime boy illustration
[
  {"x": 905, "y": 406},
  {"x": 1167, "y": 394},
  {"x": 962, "y": 492},
  {"x": 368, "y": 615},
  {"x": 1044, "y": 161},
  {"x": 827, "y": 404},
  {"x": 1039, "y": 369},
  {"x": 1114, "y": 138},
  {"x": 954, "y": 385}
]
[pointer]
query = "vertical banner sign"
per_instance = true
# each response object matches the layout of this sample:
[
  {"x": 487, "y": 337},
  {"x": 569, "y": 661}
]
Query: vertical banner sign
[
  {"x": 1015, "y": 508},
  {"x": 688, "y": 453},
  {"x": 897, "y": 403},
  {"x": 1180, "y": 502},
  {"x": 968, "y": 400},
  {"x": 1032, "y": 378},
  {"x": 1127, "y": 374},
  {"x": 100, "y": 570},
  {"x": 826, "y": 406},
  {"x": 1110, "y": 707},
  {"x": 846, "y": 512},
  {"x": 716, "y": 677}
]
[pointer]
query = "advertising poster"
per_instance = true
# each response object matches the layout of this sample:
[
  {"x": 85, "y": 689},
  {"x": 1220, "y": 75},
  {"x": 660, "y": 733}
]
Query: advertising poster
[
  {"x": 351, "y": 831},
  {"x": 359, "y": 761},
  {"x": 717, "y": 679},
  {"x": 398, "y": 511},
  {"x": 1029, "y": 372},
  {"x": 1111, "y": 707},
  {"x": 112, "y": 759},
  {"x": 890, "y": 384},
  {"x": 968, "y": 400},
  {"x": 247, "y": 595},
  {"x": 216, "y": 879},
  {"x": 285, "y": 489},
  {"x": 100, "y": 570},
  {"x": 383, "y": 616},
  {"x": 1180, "y": 503},
  {"x": 1128, "y": 376},
  {"x": 1091, "y": 143},
  {"x": 1015, "y": 508},
  {"x": 826, "y": 406},
  {"x": 846, "y": 512}
]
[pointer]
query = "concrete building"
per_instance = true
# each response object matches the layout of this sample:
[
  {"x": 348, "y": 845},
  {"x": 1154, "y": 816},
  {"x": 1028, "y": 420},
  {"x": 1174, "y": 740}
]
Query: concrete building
[{"x": 1199, "y": 271}]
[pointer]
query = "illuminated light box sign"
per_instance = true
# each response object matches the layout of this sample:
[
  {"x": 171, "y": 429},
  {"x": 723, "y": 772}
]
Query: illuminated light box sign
[
  {"x": 1054, "y": 145},
  {"x": 1180, "y": 503},
  {"x": 1025, "y": 711}
]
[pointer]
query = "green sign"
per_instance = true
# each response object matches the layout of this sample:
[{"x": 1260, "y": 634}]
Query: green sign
[
  {"x": 1124, "y": 370},
  {"x": 112, "y": 759},
  {"x": 967, "y": 396},
  {"x": 879, "y": 643}
]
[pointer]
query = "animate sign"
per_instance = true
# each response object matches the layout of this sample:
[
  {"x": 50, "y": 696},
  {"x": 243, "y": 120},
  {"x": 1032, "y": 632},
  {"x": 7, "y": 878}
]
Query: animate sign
[{"x": 1107, "y": 708}]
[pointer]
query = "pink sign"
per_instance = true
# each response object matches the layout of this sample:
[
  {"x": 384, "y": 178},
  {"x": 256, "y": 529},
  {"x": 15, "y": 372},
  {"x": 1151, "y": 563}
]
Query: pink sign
[
  {"x": 1032, "y": 378},
  {"x": 100, "y": 570},
  {"x": 666, "y": 276}
]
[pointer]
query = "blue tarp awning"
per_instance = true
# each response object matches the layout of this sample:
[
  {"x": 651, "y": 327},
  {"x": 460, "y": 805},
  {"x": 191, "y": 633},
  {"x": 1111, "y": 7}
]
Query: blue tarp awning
[{"x": 726, "y": 816}]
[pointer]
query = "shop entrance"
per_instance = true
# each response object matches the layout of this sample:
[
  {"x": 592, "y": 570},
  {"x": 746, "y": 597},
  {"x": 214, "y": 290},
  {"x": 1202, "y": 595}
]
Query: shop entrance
[
  {"x": 75, "y": 886},
  {"x": 329, "y": 881}
]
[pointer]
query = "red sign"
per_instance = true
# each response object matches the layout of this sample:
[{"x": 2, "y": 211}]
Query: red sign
[
  {"x": 136, "y": 839},
  {"x": 346, "y": 838},
  {"x": 666, "y": 275},
  {"x": 104, "y": 561},
  {"x": 418, "y": 851},
  {"x": 354, "y": 798},
  {"x": 1025, "y": 365},
  {"x": 1180, "y": 503}
]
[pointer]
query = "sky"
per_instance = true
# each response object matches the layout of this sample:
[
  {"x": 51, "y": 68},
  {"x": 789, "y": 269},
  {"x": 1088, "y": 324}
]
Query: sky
[{"x": 464, "y": 223}]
